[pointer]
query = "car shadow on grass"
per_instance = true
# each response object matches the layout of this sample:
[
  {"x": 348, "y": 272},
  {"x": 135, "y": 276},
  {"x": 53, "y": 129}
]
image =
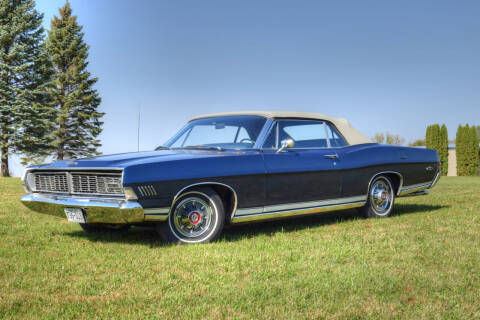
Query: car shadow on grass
[
  {"x": 148, "y": 235},
  {"x": 136, "y": 235},
  {"x": 235, "y": 233}
]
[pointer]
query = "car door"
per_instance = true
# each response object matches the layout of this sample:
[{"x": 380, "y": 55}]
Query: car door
[{"x": 308, "y": 171}]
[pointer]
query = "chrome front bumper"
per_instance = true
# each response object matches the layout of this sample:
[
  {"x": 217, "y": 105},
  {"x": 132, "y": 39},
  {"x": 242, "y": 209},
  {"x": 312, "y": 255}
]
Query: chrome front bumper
[{"x": 97, "y": 210}]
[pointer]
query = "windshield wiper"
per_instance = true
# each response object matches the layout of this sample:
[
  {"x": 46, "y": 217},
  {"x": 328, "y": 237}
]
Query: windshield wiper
[
  {"x": 162, "y": 148},
  {"x": 202, "y": 146}
]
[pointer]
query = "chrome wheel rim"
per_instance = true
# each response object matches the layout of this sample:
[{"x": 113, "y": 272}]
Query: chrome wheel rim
[
  {"x": 192, "y": 217},
  {"x": 381, "y": 197}
]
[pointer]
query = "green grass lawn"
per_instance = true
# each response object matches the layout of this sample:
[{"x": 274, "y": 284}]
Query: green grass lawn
[{"x": 424, "y": 262}]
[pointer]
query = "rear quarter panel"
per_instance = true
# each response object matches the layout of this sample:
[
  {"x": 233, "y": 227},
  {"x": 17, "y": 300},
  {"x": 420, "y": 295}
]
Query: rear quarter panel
[{"x": 361, "y": 162}]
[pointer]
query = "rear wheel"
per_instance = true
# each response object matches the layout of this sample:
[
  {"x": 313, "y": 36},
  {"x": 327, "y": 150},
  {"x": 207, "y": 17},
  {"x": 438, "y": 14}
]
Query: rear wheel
[
  {"x": 197, "y": 216},
  {"x": 381, "y": 198},
  {"x": 104, "y": 227}
]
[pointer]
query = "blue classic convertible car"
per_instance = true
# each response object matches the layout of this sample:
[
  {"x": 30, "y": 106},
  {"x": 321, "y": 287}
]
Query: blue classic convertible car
[{"x": 233, "y": 168}]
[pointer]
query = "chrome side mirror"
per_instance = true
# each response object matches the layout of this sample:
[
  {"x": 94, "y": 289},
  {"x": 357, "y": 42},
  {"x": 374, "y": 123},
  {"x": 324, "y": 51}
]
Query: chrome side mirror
[{"x": 287, "y": 143}]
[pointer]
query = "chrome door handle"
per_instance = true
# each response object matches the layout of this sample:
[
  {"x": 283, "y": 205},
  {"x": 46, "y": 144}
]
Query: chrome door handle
[{"x": 331, "y": 156}]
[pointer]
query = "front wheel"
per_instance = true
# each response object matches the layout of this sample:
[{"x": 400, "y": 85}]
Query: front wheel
[
  {"x": 381, "y": 197},
  {"x": 197, "y": 216}
]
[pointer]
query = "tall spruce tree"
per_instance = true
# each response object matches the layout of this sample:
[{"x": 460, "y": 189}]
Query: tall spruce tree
[
  {"x": 24, "y": 74},
  {"x": 76, "y": 101}
]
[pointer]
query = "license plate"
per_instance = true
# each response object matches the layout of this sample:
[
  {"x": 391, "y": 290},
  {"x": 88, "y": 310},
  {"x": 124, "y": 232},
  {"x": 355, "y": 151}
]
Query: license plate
[{"x": 75, "y": 215}]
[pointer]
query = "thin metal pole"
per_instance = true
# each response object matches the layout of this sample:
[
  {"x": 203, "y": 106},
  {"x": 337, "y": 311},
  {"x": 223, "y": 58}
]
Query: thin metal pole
[{"x": 138, "y": 127}]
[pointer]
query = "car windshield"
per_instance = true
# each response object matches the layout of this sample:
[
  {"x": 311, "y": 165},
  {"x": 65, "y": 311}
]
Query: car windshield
[{"x": 229, "y": 132}]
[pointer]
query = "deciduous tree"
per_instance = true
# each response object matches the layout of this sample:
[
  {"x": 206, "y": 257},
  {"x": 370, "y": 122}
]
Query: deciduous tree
[
  {"x": 379, "y": 137},
  {"x": 394, "y": 139},
  {"x": 417, "y": 143},
  {"x": 389, "y": 138}
]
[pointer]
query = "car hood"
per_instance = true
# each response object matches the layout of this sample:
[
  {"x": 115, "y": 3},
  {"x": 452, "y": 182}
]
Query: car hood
[{"x": 123, "y": 160}]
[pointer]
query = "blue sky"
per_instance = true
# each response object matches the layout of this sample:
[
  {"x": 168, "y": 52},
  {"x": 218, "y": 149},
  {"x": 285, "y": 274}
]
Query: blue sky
[{"x": 384, "y": 65}]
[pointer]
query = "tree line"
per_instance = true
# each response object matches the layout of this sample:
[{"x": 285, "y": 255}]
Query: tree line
[
  {"x": 436, "y": 137},
  {"x": 48, "y": 103},
  {"x": 389, "y": 138},
  {"x": 466, "y": 148}
]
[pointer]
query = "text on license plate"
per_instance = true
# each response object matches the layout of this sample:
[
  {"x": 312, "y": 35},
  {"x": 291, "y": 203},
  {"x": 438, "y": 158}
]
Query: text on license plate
[{"x": 75, "y": 215}]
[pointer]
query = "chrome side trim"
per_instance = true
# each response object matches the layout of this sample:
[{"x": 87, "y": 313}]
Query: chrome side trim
[
  {"x": 235, "y": 199},
  {"x": 311, "y": 204},
  {"x": 76, "y": 169},
  {"x": 298, "y": 205},
  {"x": 414, "y": 188},
  {"x": 384, "y": 172},
  {"x": 417, "y": 193},
  {"x": 156, "y": 214},
  {"x": 165, "y": 210},
  {"x": 156, "y": 217},
  {"x": 246, "y": 211},
  {"x": 295, "y": 212}
]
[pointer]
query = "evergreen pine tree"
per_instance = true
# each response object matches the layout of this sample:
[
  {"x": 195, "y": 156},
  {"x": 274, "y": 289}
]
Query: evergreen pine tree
[
  {"x": 428, "y": 142},
  {"x": 475, "y": 152},
  {"x": 472, "y": 151},
  {"x": 428, "y": 137},
  {"x": 464, "y": 151},
  {"x": 468, "y": 150},
  {"x": 444, "y": 150},
  {"x": 24, "y": 74},
  {"x": 76, "y": 101},
  {"x": 436, "y": 138},
  {"x": 459, "y": 150}
]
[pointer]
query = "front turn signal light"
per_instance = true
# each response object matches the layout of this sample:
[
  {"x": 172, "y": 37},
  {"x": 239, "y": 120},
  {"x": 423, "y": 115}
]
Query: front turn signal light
[{"x": 129, "y": 193}]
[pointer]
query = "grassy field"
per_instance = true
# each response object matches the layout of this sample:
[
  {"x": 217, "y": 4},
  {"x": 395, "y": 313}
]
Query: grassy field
[{"x": 424, "y": 262}]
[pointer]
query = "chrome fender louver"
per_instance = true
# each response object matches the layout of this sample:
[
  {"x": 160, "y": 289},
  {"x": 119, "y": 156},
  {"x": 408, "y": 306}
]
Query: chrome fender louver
[{"x": 147, "y": 191}]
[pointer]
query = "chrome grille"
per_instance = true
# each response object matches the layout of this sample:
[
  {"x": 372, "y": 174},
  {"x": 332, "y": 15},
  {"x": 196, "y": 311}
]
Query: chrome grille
[
  {"x": 51, "y": 182},
  {"x": 80, "y": 183},
  {"x": 96, "y": 183}
]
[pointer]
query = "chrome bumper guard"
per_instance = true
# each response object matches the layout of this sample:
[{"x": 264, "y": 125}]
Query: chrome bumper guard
[
  {"x": 435, "y": 180},
  {"x": 97, "y": 210}
]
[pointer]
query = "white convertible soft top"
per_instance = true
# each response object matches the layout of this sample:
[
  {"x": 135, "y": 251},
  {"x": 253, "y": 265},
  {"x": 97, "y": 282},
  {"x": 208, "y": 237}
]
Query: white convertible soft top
[{"x": 352, "y": 135}]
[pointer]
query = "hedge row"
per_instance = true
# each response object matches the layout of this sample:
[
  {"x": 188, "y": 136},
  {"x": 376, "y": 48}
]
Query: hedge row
[
  {"x": 467, "y": 150},
  {"x": 437, "y": 138}
]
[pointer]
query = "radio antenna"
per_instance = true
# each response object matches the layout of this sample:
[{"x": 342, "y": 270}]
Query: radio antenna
[{"x": 138, "y": 126}]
